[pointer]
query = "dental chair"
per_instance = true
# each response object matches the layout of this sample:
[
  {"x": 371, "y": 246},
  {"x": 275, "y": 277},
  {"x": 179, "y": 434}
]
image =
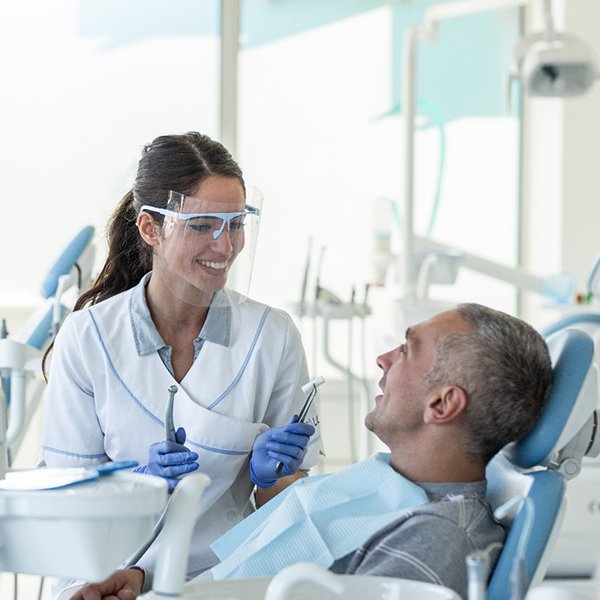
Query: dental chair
[
  {"x": 576, "y": 554},
  {"x": 534, "y": 471},
  {"x": 585, "y": 321},
  {"x": 20, "y": 372},
  {"x": 529, "y": 475}
]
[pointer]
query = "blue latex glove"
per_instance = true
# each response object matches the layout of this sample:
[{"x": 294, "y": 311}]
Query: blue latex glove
[
  {"x": 286, "y": 445},
  {"x": 170, "y": 460}
]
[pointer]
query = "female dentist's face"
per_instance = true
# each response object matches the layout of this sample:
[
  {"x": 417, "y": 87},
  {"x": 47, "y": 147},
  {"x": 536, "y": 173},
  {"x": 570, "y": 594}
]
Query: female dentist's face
[
  {"x": 188, "y": 258},
  {"x": 203, "y": 260}
]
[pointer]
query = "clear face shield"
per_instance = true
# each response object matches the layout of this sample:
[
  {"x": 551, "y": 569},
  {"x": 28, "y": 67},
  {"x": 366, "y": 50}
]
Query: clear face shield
[{"x": 206, "y": 245}]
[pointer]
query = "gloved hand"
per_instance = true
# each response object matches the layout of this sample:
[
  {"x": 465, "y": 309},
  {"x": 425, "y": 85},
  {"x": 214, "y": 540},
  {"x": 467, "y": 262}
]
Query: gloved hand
[
  {"x": 170, "y": 460},
  {"x": 286, "y": 445}
]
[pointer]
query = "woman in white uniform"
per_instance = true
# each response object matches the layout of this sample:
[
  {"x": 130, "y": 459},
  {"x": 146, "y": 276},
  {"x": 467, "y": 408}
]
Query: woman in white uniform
[{"x": 160, "y": 315}]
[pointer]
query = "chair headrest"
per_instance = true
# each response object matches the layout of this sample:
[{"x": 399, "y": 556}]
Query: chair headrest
[
  {"x": 66, "y": 261},
  {"x": 573, "y": 398},
  {"x": 574, "y": 320}
]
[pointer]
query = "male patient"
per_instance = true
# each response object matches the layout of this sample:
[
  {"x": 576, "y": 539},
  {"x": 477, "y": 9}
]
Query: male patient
[{"x": 463, "y": 385}]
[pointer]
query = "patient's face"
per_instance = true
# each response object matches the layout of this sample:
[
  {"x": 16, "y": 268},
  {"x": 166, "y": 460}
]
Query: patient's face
[{"x": 398, "y": 414}]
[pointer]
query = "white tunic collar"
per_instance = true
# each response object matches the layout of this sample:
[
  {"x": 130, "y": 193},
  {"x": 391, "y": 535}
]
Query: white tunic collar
[{"x": 216, "y": 329}]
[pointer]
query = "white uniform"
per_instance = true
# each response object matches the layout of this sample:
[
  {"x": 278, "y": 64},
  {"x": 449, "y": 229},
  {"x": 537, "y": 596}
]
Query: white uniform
[{"x": 106, "y": 402}]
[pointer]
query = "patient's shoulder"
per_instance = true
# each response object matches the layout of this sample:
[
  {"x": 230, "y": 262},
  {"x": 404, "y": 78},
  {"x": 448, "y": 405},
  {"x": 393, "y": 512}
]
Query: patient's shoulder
[
  {"x": 462, "y": 523},
  {"x": 425, "y": 546},
  {"x": 430, "y": 543}
]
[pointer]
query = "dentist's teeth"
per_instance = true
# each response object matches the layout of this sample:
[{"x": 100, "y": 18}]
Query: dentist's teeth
[{"x": 213, "y": 265}]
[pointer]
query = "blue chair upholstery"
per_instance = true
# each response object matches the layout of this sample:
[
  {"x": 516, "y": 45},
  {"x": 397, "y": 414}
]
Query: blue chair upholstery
[
  {"x": 574, "y": 320},
  {"x": 71, "y": 269},
  {"x": 527, "y": 468},
  {"x": 39, "y": 329},
  {"x": 67, "y": 260},
  {"x": 37, "y": 332},
  {"x": 576, "y": 553}
]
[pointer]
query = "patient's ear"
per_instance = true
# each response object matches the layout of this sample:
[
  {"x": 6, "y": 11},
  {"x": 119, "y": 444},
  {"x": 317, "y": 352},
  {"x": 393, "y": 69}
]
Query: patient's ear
[
  {"x": 148, "y": 229},
  {"x": 447, "y": 404}
]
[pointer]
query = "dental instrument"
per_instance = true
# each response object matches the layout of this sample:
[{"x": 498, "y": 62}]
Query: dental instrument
[
  {"x": 312, "y": 387},
  {"x": 170, "y": 432},
  {"x": 174, "y": 442},
  {"x": 171, "y": 436},
  {"x": 478, "y": 565}
]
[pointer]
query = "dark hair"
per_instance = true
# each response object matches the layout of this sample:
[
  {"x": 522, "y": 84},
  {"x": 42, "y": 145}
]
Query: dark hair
[
  {"x": 171, "y": 162},
  {"x": 503, "y": 365}
]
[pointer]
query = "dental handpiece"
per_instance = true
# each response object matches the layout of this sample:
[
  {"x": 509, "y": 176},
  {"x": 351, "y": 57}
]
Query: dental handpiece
[
  {"x": 170, "y": 432},
  {"x": 171, "y": 436},
  {"x": 311, "y": 387}
]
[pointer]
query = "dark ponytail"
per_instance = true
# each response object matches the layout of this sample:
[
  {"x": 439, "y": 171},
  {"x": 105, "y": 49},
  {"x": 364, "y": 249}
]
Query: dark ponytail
[{"x": 129, "y": 257}]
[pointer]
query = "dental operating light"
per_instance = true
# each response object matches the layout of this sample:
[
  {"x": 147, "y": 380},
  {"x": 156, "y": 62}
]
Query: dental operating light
[
  {"x": 561, "y": 65},
  {"x": 553, "y": 64},
  {"x": 547, "y": 63}
]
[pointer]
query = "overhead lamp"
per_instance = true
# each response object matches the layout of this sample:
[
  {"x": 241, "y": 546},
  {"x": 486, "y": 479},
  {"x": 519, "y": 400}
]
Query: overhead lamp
[
  {"x": 547, "y": 63},
  {"x": 553, "y": 64}
]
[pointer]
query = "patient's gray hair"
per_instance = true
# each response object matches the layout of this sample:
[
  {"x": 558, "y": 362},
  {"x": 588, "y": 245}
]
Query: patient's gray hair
[{"x": 503, "y": 365}]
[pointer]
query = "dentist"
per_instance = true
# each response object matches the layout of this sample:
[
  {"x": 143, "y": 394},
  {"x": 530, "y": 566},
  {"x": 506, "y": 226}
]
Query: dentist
[{"x": 170, "y": 308}]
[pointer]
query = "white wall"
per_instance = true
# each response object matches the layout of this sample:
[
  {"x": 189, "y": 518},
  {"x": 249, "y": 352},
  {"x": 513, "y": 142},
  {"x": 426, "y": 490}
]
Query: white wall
[
  {"x": 581, "y": 154},
  {"x": 561, "y": 153}
]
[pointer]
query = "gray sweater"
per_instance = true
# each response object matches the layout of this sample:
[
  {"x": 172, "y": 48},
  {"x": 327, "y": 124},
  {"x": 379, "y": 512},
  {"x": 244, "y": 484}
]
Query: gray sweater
[{"x": 432, "y": 542}]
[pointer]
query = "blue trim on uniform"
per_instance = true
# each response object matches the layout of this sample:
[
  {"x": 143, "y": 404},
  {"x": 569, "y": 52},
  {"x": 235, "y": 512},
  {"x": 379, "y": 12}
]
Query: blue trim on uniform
[
  {"x": 218, "y": 450},
  {"x": 246, "y": 360},
  {"x": 75, "y": 454},
  {"x": 131, "y": 395},
  {"x": 152, "y": 416}
]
